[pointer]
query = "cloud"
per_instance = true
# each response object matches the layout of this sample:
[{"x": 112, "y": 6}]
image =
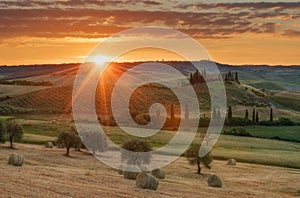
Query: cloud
[
  {"x": 291, "y": 33},
  {"x": 243, "y": 5},
  {"x": 92, "y": 19}
]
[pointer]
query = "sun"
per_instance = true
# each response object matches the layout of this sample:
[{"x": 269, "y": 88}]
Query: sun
[{"x": 100, "y": 59}]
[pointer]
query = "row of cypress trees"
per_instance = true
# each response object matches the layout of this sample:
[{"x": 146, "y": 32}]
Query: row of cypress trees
[{"x": 255, "y": 115}]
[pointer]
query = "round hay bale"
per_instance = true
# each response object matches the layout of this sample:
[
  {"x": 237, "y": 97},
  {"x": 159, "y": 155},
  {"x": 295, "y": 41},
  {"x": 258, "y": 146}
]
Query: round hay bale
[
  {"x": 60, "y": 145},
  {"x": 144, "y": 169},
  {"x": 146, "y": 181},
  {"x": 158, "y": 173},
  {"x": 131, "y": 172},
  {"x": 48, "y": 145},
  {"x": 215, "y": 181},
  {"x": 15, "y": 159},
  {"x": 231, "y": 162},
  {"x": 121, "y": 168}
]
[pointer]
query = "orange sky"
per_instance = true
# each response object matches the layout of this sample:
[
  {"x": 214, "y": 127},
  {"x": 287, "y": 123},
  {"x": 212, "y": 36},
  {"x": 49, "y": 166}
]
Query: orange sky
[{"x": 248, "y": 32}]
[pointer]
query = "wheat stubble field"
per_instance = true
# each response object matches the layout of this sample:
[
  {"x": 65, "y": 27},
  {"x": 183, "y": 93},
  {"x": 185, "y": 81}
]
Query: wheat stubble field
[{"x": 48, "y": 173}]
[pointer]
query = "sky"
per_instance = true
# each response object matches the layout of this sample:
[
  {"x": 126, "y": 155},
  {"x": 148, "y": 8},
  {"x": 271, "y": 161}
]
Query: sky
[{"x": 233, "y": 32}]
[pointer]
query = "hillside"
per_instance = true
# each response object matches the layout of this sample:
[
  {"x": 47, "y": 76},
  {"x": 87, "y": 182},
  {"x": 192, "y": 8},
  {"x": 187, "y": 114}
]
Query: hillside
[
  {"x": 259, "y": 76},
  {"x": 17, "y": 99},
  {"x": 58, "y": 99}
]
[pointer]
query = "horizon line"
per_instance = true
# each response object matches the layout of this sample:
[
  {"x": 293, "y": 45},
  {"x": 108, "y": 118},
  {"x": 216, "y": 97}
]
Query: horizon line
[{"x": 159, "y": 61}]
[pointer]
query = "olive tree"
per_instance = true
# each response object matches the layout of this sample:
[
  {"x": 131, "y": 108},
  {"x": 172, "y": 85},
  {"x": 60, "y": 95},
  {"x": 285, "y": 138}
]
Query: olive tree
[
  {"x": 14, "y": 132},
  {"x": 68, "y": 139},
  {"x": 2, "y": 131},
  {"x": 94, "y": 141},
  {"x": 192, "y": 154},
  {"x": 139, "y": 152}
]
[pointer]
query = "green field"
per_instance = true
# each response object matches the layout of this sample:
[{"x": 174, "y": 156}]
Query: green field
[
  {"x": 258, "y": 151},
  {"x": 286, "y": 102},
  {"x": 284, "y": 132},
  {"x": 244, "y": 149},
  {"x": 39, "y": 133},
  {"x": 6, "y": 117},
  {"x": 261, "y": 84}
]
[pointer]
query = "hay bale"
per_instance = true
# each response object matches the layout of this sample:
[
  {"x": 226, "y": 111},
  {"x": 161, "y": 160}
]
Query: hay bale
[
  {"x": 158, "y": 173},
  {"x": 231, "y": 162},
  {"x": 15, "y": 159},
  {"x": 215, "y": 181},
  {"x": 146, "y": 181},
  {"x": 121, "y": 168},
  {"x": 131, "y": 172},
  {"x": 144, "y": 169},
  {"x": 49, "y": 145}
]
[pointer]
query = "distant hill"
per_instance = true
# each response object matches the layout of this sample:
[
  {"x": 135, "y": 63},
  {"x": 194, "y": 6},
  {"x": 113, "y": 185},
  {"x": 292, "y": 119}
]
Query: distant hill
[
  {"x": 259, "y": 76},
  {"x": 261, "y": 86}
]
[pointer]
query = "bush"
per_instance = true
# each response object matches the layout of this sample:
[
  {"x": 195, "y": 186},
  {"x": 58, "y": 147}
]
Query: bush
[
  {"x": 237, "y": 132},
  {"x": 269, "y": 123},
  {"x": 286, "y": 122},
  {"x": 235, "y": 121},
  {"x": 281, "y": 122},
  {"x": 204, "y": 122}
]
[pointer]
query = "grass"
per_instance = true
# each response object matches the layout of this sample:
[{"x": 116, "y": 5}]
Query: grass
[
  {"x": 258, "y": 151},
  {"x": 243, "y": 149},
  {"x": 39, "y": 133},
  {"x": 261, "y": 84},
  {"x": 287, "y": 102},
  {"x": 6, "y": 117},
  {"x": 51, "y": 130},
  {"x": 36, "y": 139},
  {"x": 264, "y": 113},
  {"x": 284, "y": 132}
]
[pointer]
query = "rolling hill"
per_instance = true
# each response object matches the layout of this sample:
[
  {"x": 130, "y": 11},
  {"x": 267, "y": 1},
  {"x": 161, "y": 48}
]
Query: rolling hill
[{"x": 265, "y": 87}]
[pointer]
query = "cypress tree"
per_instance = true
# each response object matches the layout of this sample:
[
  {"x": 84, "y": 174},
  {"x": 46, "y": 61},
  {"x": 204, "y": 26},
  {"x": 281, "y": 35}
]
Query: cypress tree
[
  {"x": 236, "y": 78},
  {"x": 229, "y": 112},
  {"x": 196, "y": 77},
  {"x": 191, "y": 79},
  {"x": 257, "y": 118},
  {"x": 204, "y": 74},
  {"x": 218, "y": 114},
  {"x": 246, "y": 114},
  {"x": 253, "y": 115},
  {"x": 214, "y": 113},
  {"x": 226, "y": 77},
  {"x": 271, "y": 115},
  {"x": 229, "y": 75}
]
